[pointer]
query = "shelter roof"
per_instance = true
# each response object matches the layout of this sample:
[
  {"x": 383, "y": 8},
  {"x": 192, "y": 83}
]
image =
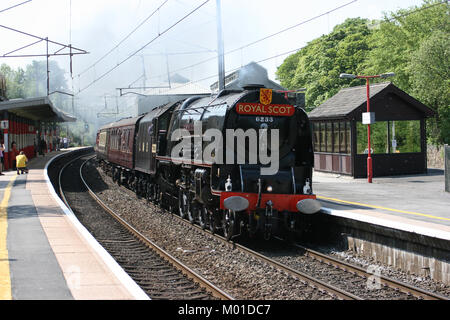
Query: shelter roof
[
  {"x": 349, "y": 100},
  {"x": 40, "y": 108}
]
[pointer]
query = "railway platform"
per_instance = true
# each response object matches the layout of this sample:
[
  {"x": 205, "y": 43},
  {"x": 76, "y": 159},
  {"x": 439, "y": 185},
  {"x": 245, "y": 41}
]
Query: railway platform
[
  {"x": 44, "y": 253},
  {"x": 415, "y": 203}
]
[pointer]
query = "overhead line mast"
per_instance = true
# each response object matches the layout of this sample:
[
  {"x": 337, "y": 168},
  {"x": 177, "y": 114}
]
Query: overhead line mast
[{"x": 220, "y": 47}]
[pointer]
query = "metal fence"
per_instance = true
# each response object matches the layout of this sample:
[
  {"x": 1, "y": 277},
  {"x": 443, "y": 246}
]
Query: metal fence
[{"x": 447, "y": 167}]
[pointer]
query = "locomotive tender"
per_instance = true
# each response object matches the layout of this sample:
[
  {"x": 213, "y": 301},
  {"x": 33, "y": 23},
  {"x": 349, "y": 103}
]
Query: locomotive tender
[{"x": 240, "y": 161}]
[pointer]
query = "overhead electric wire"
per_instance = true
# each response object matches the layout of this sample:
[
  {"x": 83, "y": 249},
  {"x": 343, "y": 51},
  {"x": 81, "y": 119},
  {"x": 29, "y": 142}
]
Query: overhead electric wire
[
  {"x": 123, "y": 40},
  {"x": 261, "y": 39},
  {"x": 40, "y": 38},
  {"x": 140, "y": 49},
  {"x": 234, "y": 69},
  {"x": 16, "y": 5},
  {"x": 289, "y": 28},
  {"x": 226, "y": 53},
  {"x": 290, "y": 51}
]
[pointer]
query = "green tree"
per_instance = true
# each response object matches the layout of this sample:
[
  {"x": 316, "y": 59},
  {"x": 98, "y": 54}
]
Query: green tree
[
  {"x": 412, "y": 42},
  {"x": 399, "y": 35},
  {"x": 430, "y": 81},
  {"x": 14, "y": 81},
  {"x": 32, "y": 82},
  {"x": 317, "y": 66},
  {"x": 35, "y": 84}
]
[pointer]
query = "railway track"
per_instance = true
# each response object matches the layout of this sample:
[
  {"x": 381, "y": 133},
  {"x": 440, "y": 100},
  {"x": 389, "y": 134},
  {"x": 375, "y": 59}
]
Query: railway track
[
  {"x": 408, "y": 290},
  {"x": 158, "y": 273},
  {"x": 315, "y": 283},
  {"x": 353, "y": 273},
  {"x": 380, "y": 280}
]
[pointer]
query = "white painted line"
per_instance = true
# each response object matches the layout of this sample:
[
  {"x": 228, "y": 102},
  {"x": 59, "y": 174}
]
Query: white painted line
[
  {"x": 117, "y": 270},
  {"x": 434, "y": 233}
]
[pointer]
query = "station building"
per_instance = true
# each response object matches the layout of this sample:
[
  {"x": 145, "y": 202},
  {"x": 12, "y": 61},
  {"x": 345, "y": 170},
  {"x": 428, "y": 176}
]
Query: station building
[
  {"x": 25, "y": 122},
  {"x": 398, "y": 138}
]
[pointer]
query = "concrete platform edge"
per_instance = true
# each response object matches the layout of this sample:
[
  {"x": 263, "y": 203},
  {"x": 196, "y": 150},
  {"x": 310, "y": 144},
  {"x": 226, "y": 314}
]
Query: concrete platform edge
[
  {"x": 122, "y": 276},
  {"x": 396, "y": 244},
  {"x": 433, "y": 233}
]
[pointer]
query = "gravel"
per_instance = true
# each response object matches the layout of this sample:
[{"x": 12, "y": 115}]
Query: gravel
[{"x": 239, "y": 274}]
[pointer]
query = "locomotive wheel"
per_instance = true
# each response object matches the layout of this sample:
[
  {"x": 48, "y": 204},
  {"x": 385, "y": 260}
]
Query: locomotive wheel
[
  {"x": 212, "y": 221},
  {"x": 202, "y": 217},
  {"x": 183, "y": 204},
  {"x": 228, "y": 223},
  {"x": 119, "y": 177},
  {"x": 153, "y": 192},
  {"x": 191, "y": 213}
]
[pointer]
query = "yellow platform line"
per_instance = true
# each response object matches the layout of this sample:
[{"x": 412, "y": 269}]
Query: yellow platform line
[
  {"x": 383, "y": 208},
  {"x": 5, "y": 278}
]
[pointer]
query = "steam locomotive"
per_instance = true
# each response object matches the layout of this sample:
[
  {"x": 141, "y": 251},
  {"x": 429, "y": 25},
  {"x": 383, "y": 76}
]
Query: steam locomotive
[{"x": 239, "y": 161}]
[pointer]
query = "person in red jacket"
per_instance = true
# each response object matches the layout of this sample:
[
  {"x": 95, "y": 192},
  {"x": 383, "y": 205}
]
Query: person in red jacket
[
  {"x": 2, "y": 164},
  {"x": 14, "y": 153}
]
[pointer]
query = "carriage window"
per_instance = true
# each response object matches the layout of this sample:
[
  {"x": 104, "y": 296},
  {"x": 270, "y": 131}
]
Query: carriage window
[{"x": 128, "y": 140}]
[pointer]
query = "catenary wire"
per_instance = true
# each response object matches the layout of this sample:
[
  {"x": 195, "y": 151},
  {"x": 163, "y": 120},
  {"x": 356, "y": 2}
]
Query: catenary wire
[{"x": 144, "y": 46}]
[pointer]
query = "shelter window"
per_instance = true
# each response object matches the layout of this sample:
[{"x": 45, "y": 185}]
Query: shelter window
[
  {"x": 336, "y": 137},
  {"x": 390, "y": 137},
  {"x": 329, "y": 137},
  {"x": 316, "y": 133},
  {"x": 344, "y": 138},
  {"x": 322, "y": 137},
  {"x": 348, "y": 139},
  {"x": 332, "y": 137}
]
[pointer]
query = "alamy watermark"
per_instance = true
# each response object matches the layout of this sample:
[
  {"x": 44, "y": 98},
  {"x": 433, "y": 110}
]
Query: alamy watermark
[
  {"x": 263, "y": 147},
  {"x": 374, "y": 281}
]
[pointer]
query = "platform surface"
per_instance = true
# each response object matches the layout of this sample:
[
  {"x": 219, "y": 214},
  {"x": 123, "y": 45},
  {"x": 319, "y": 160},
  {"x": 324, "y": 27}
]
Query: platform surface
[
  {"x": 417, "y": 200},
  {"x": 43, "y": 253}
]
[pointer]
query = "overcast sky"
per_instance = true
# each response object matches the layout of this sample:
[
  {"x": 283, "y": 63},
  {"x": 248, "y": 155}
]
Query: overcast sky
[{"x": 98, "y": 25}]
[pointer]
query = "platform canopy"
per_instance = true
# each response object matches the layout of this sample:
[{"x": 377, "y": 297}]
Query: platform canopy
[{"x": 39, "y": 109}]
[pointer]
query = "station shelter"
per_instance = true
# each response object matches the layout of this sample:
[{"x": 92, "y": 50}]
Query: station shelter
[
  {"x": 26, "y": 122},
  {"x": 398, "y": 136}
]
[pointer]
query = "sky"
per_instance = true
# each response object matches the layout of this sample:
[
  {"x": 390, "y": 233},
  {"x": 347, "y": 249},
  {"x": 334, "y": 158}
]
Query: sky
[{"x": 98, "y": 26}]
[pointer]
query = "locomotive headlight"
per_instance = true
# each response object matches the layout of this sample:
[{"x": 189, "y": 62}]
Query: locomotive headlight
[
  {"x": 269, "y": 189},
  {"x": 309, "y": 206},
  {"x": 236, "y": 203}
]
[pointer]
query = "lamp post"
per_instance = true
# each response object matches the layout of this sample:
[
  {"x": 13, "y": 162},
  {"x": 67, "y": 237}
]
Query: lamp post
[{"x": 371, "y": 116}]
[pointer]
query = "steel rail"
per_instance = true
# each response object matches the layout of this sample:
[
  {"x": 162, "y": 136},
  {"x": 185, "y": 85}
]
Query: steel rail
[
  {"x": 188, "y": 272},
  {"x": 334, "y": 291},
  {"x": 314, "y": 283},
  {"x": 384, "y": 281}
]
